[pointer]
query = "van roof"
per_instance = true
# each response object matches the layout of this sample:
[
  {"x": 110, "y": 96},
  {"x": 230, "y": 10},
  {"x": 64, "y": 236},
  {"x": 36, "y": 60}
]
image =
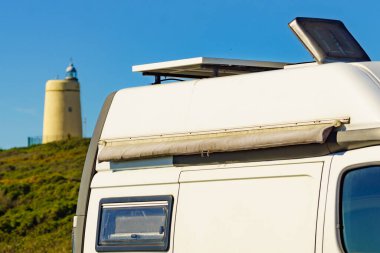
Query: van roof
[{"x": 287, "y": 96}]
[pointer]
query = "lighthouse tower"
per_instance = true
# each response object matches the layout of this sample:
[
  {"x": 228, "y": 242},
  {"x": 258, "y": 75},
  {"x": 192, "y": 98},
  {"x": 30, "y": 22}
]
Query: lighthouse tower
[{"x": 62, "y": 113}]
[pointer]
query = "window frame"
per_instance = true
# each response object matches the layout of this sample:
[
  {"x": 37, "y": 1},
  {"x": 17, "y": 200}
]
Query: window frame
[
  {"x": 339, "y": 212},
  {"x": 126, "y": 247}
]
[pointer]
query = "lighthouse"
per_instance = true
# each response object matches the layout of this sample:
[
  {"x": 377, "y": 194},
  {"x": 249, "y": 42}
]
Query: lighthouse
[{"x": 62, "y": 112}]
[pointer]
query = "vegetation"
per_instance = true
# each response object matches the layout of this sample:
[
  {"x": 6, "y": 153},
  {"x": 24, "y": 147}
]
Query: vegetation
[{"x": 38, "y": 195}]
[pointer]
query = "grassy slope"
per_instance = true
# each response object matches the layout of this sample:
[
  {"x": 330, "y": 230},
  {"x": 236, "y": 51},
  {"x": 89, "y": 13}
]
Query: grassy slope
[{"x": 38, "y": 194}]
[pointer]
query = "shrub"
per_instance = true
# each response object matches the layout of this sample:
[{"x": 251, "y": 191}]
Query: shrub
[{"x": 38, "y": 195}]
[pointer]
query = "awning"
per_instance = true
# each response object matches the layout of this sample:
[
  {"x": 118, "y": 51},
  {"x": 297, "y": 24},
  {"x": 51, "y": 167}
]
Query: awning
[{"x": 215, "y": 142}]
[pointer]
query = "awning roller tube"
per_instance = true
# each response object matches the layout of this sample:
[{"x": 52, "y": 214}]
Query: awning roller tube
[{"x": 210, "y": 143}]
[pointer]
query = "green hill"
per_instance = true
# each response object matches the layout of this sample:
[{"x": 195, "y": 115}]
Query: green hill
[{"x": 38, "y": 195}]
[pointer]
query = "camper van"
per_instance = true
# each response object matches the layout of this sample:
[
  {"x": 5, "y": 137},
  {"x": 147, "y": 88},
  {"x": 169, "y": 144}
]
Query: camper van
[{"x": 239, "y": 156}]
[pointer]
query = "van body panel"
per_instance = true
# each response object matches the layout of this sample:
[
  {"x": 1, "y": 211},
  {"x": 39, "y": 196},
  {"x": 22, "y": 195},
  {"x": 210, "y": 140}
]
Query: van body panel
[
  {"x": 265, "y": 209},
  {"x": 136, "y": 177},
  {"x": 322, "y": 204}
]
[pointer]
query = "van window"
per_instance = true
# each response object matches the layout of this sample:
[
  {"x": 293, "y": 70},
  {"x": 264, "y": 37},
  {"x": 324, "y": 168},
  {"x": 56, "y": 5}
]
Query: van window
[
  {"x": 360, "y": 210},
  {"x": 131, "y": 224}
]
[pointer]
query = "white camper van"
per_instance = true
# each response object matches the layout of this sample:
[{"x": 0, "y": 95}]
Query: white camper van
[{"x": 242, "y": 156}]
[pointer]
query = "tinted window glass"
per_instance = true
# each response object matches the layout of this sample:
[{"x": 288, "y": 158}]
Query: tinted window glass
[
  {"x": 360, "y": 212},
  {"x": 134, "y": 224}
]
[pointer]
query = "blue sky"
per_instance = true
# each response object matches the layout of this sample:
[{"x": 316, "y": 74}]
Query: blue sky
[{"x": 105, "y": 38}]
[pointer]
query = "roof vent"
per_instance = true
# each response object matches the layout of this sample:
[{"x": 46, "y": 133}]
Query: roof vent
[{"x": 328, "y": 40}]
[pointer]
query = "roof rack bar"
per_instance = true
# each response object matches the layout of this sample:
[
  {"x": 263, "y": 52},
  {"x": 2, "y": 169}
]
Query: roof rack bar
[{"x": 157, "y": 79}]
